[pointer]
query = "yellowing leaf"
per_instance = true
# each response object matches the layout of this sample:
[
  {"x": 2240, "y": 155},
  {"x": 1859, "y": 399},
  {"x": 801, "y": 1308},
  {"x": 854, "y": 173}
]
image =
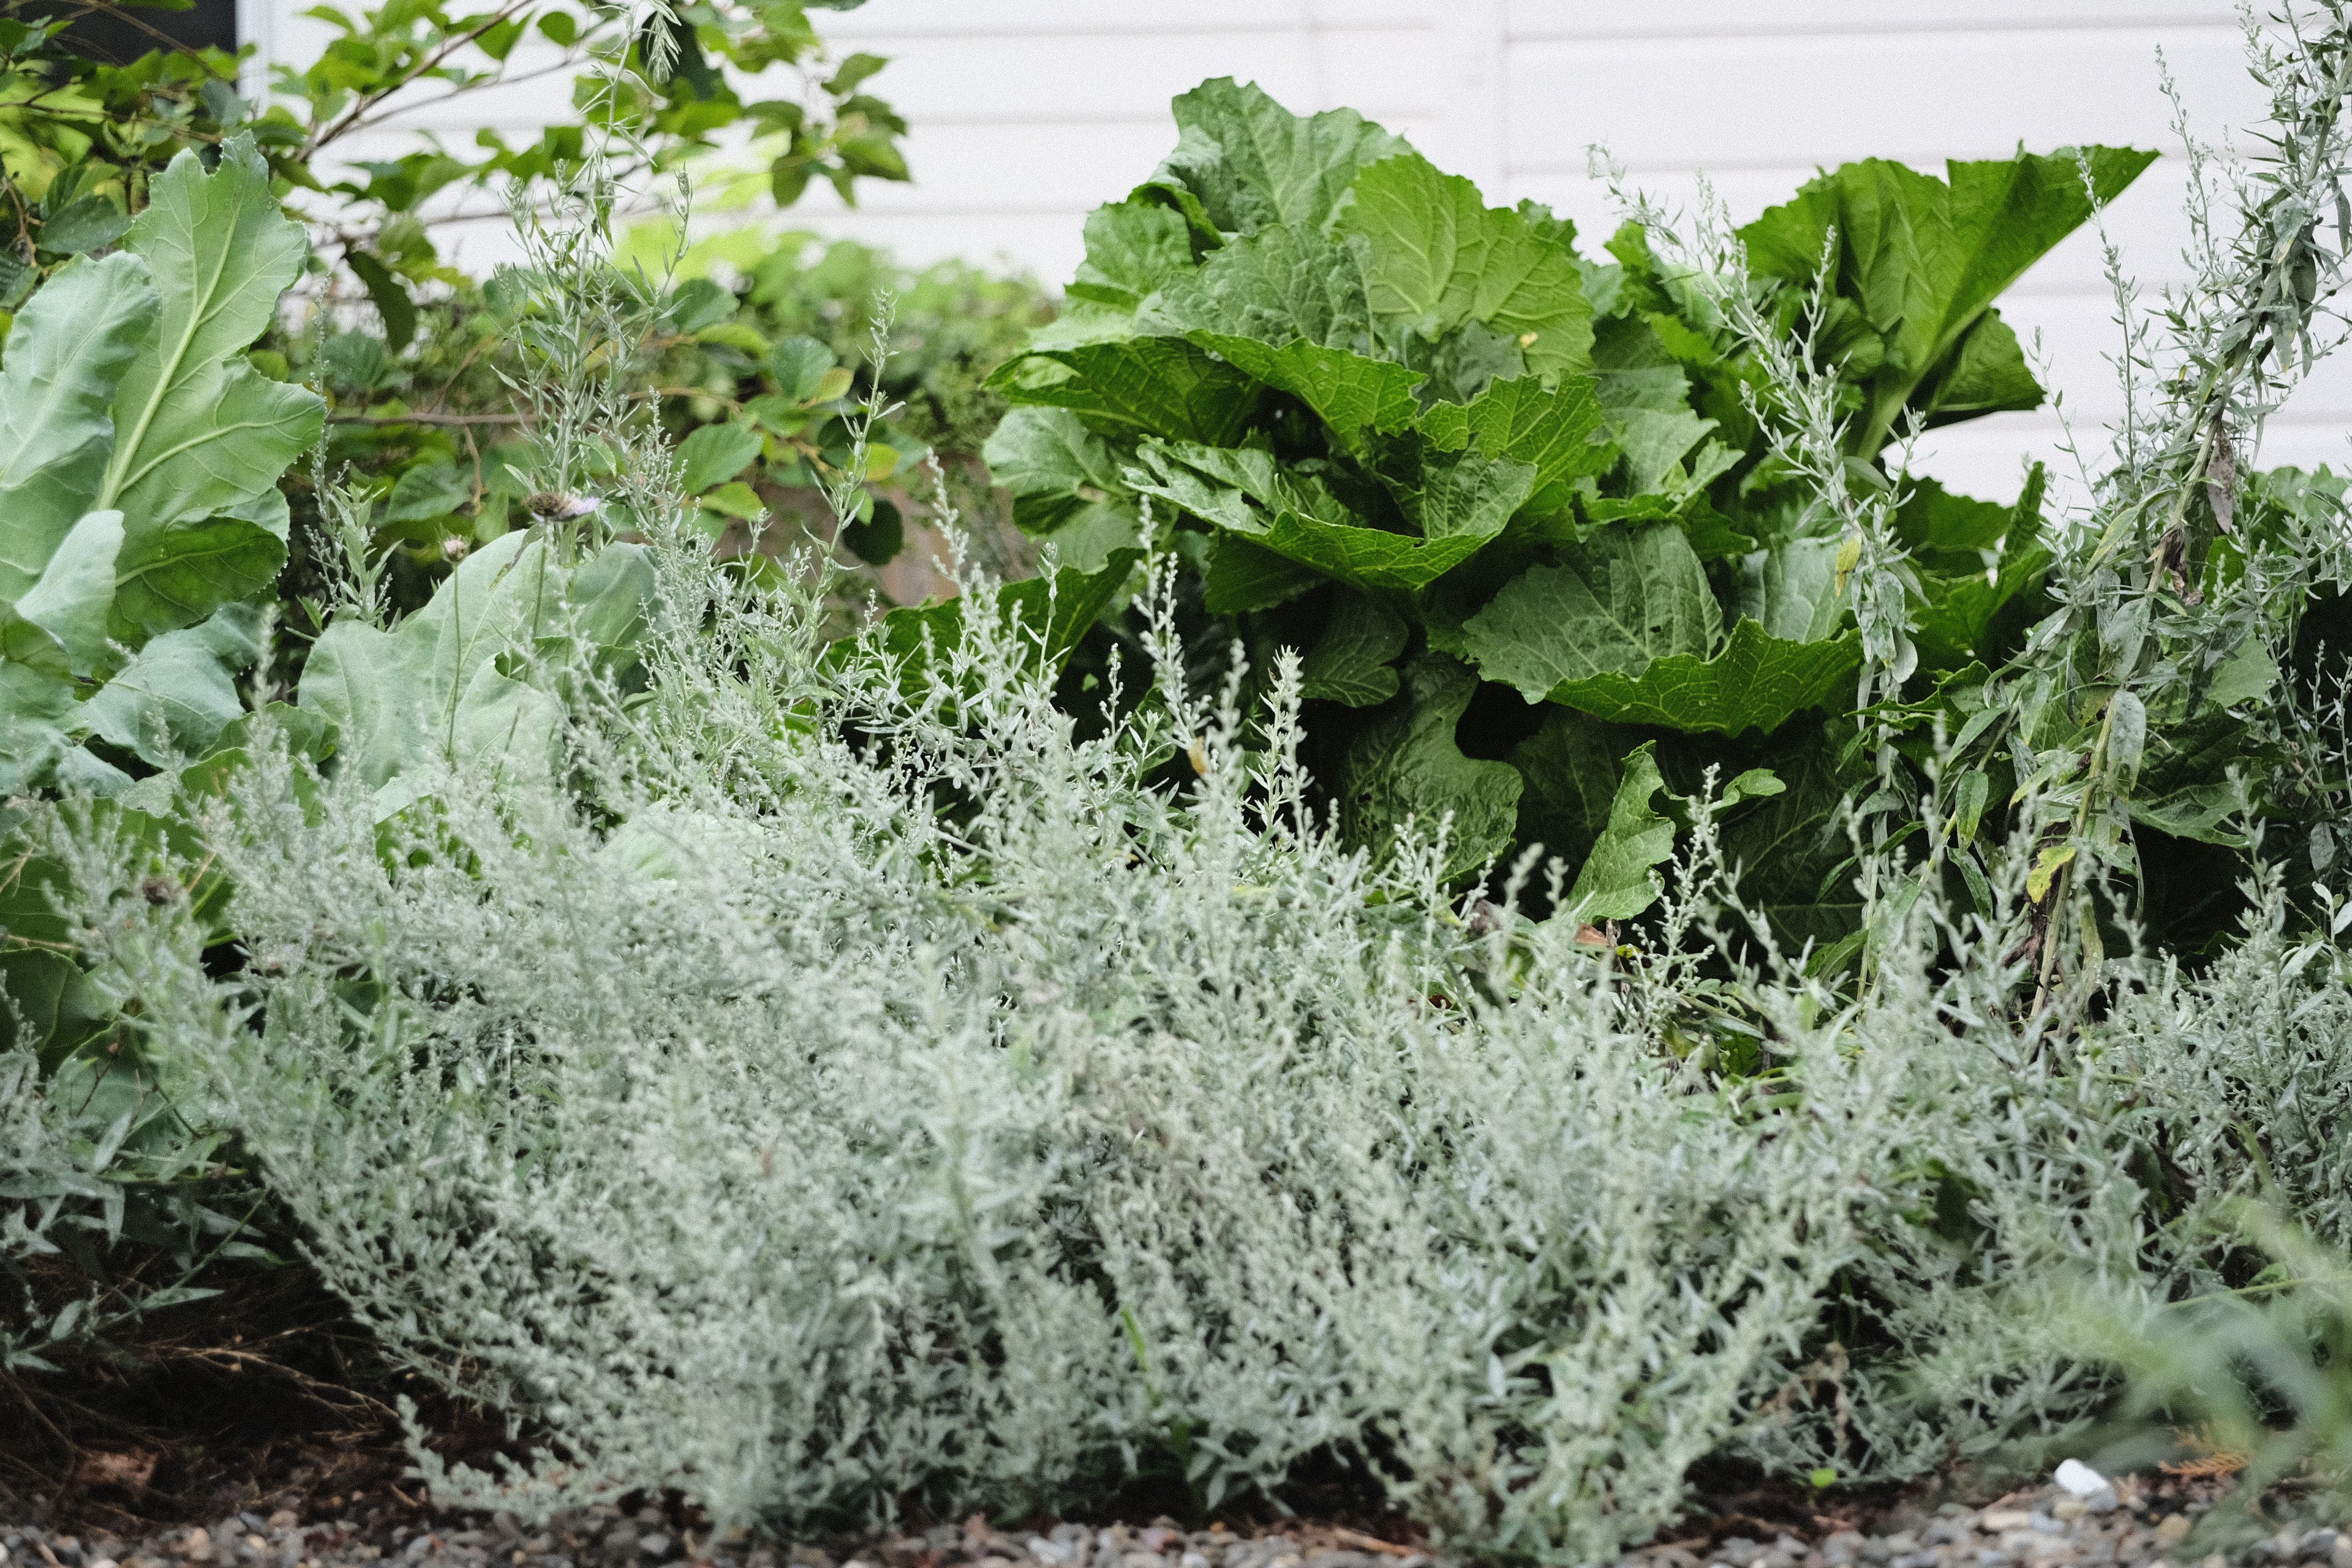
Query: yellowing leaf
[{"x": 2046, "y": 870}]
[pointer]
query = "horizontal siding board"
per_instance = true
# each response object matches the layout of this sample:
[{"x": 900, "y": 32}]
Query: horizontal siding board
[
  {"x": 980, "y": 78},
  {"x": 1773, "y": 102},
  {"x": 888, "y": 23},
  {"x": 1555, "y": 19}
]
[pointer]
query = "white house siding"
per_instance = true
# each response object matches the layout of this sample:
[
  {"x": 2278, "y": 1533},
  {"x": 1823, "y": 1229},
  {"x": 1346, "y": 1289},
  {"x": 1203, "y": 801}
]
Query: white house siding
[{"x": 1027, "y": 115}]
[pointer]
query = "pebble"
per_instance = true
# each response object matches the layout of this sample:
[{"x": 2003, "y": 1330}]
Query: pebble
[{"x": 2093, "y": 1522}]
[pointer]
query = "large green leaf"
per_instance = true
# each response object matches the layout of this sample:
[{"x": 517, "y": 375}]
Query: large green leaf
[
  {"x": 1353, "y": 661},
  {"x": 177, "y": 574},
  {"x": 1157, "y": 386},
  {"x": 1618, "y": 878},
  {"x": 174, "y": 698},
  {"x": 1623, "y": 600},
  {"x": 198, "y": 431},
  {"x": 66, "y": 355},
  {"x": 1053, "y": 466},
  {"x": 1439, "y": 258},
  {"x": 1792, "y": 589},
  {"x": 1352, "y": 394},
  {"x": 1922, "y": 260},
  {"x": 59, "y": 622},
  {"x": 1250, "y": 163},
  {"x": 1756, "y": 681},
  {"x": 1626, "y": 629},
  {"x": 1132, "y": 248},
  {"x": 1406, "y": 765},
  {"x": 432, "y": 688},
  {"x": 1243, "y": 575},
  {"x": 36, "y": 706},
  {"x": 1246, "y": 491},
  {"x": 1571, "y": 766},
  {"x": 1279, "y": 285},
  {"x": 1551, "y": 430}
]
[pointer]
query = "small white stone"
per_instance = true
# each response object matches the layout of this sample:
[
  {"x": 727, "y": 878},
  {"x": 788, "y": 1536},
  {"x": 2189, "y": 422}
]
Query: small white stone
[{"x": 2079, "y": 1477}]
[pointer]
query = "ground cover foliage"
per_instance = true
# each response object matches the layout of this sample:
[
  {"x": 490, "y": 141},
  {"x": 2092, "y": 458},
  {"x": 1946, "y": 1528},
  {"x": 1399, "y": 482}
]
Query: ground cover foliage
[{"x": 1118, "y": 1021}]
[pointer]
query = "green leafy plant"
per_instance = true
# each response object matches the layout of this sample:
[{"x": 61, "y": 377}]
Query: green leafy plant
[
  {"x": 82, "y": 137},
  {"x": 1471, "y": 471},
  {"x": 139, "y": 479}
]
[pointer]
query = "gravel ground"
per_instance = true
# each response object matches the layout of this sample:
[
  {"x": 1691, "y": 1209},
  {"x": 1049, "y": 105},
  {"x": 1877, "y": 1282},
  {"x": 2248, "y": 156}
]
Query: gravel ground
[{"x": 2089, "y": 1524}]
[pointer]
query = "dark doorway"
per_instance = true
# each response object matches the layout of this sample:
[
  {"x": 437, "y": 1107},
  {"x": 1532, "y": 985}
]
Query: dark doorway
[{"x": 120, "y": 37}]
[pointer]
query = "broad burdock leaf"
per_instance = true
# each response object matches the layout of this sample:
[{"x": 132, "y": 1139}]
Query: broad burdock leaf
[
  {"x": 1618, "y": 878},
  {"x": 1248, "y": 163},
  {"x": 1133, "y": 248},
  {"x": 171, "y": 577},
  {"x": 1244, "y": 491},
  {"x": 1353, "y": 395},
  {"x": 1756, "y": 682},
  {"x": 196, "y": 430},
  {"x": 1792, "y": 591},
  {"x": 1156, "y": 385},
  {"x": 1553, "y": 431},
  {"x": 1280, "y": 285},
  {"x": 1407, "y": 765},
  {"x": 66, "y": 356},
  {"x": 1352, "y": 661},
  {"x": 67, "y": 609},
  {"x": 1923, "y": 260},
  {"x": 1624, "y": 598},
  {"x": 1438, "y": 257},
  {"x": 1053, "y": 466},
  {"x": 176, "y": 696},
  {"x": 433, "y": 689}
]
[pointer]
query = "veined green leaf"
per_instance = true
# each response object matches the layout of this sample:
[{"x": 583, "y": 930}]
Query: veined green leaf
[
  {"x": 1439, "y": 257},
  {"x": 1923, "y": 259},
  {"x": 1348, "y": 392},
  {"x": 1550, "y": 429},
  {"x": 1407, "y": 764},
  {"x": 196, "y": 431},
  {"x": 1250, "y": 163},
  {"x": 180, "y": 691},
  {"x": 431, "y": 688},
  {"x": 1279, "y": 285},
  {"x": 1159, "y": 387},
  {"x": 1246, "y": 576},
  {"x": 1623, "y": 600},
  {"x": 66, "y": 356},
  {"x": 175, "y": 576},
  {"x": 1756, "y": 681},
  {"x": 1244, "y": 491},
  {"x": 1792, "y": 589},
  {"x": 1053, "y": 466},
  {"x": 35, "y": 707},
  {"x": 1133, "y": 248},
  {"x": 68, "y": 605},
  {"x": 1618, "y": 878},
  {"x": 1352, "y": 662}
]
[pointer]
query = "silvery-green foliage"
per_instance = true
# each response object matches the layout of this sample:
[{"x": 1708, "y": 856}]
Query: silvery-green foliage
[
  {"x": 802, "y": 1146},
  {"x": 854, "y": 1094}
]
